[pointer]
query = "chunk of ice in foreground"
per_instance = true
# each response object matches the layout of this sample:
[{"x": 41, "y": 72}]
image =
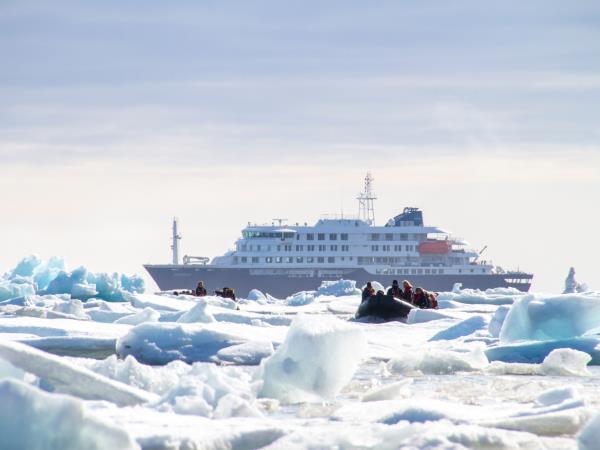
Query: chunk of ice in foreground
[
  {"x": 161, "y": 343},
  {"x": 551, "y": 318},
  {"x": 31, "y": 419},
  {"x": 589, "y": 437},
  {"x": 198, "y": 313},
  {"x": 317, "y": 359},
  {"x": 69, "y": 377},
  {"x": 145, "y": 315},
  {"x": 559, "y": 362},
  {"x": 439, "y": 362}
]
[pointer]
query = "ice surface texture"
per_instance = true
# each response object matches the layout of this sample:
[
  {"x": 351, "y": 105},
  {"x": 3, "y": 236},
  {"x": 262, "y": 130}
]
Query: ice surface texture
[{"x": 317, "y": 358}]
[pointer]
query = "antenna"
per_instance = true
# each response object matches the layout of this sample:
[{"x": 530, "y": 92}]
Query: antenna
[
  {"x": 175, "y": 238},
  {"x": 366, "y": 210},
  {"x": 280, "y": 221}
]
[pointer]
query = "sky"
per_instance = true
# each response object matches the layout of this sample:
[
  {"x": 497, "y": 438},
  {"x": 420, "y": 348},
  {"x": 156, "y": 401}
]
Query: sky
[{"x": 117, "y": 116}]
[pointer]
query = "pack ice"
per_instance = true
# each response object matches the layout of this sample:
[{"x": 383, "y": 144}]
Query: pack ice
[{"x": 89, "y": 361}]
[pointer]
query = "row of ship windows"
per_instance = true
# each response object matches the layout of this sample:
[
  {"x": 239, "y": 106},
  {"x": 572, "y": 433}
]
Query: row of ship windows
[
  {"x": 420, "y": 271},
  {"x": 332, "y": 260},
  {"x": 323, "y": 248},
  {"x": 329, "y": 236},
  {"x": 289, "y": 259}
]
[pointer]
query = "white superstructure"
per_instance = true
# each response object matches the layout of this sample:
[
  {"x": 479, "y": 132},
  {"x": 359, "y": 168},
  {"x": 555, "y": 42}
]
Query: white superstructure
[{"x": 404, "y": 246}]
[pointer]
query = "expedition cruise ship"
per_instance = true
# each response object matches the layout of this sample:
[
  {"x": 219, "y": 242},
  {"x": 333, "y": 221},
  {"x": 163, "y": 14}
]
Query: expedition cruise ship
[{"x": 281, "y": 259}]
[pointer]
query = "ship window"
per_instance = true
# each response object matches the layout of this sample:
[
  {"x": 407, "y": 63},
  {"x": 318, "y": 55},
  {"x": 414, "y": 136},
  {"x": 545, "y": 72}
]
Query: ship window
[
  {"x": 333, "y": 248},
  {"x": 254, "y": 259},
  {"x": 405, "y": 271},
  {"x": 331, "y": 259},
  {"x": 386, "y": 248},
  {"x": 311, "y": 248},
  {"x": 404, "y": 237},
  {"x": 279, "y": 248},
  {"x": 299, "y": 259},
  {"x": 297, "y": 236},
  {"x": 413, "y": 271},
  {"x": 374, "y": 248},
  {"x": 389, "y": 237},
  {"x": 420, "y": 271},
  {"x": 441, "y": 271},
  {"x": 310, "y": 259},
  {"x": 310, "y": 237},
  {"x": 244, "y": 259},
  {"x": 350, "y": 258},
  {"x": 278, "y": 259},
  {"x": 345, "y": 248},
  {"x": 427, "y": 271},
  {"x": 333, "y": 237},
  {"x": 483, "y": 270},
  {"x": 472, "y": 270},
  {"x": 299, "y": 248},
  {"x": 375, "y": 236},
  {"x": 344, "y": 236},
  {"x": 269, "y": 259},
  {"x": 459, "y": 270},
  {"x": 320, "y": 259},
  {"x": 289, "y": 259},
  {"x": 321, "y": 236},
  {"x": 288, "y": 248},
  {"x": 322, "y": 248}
]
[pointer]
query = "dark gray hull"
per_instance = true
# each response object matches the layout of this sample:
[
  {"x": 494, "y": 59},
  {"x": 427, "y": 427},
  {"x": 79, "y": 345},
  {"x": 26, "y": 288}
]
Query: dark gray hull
[{"x": 281, "y": 285}]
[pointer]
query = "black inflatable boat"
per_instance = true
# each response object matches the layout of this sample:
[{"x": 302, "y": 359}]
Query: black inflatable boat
[{"x": 385, "y": 307}]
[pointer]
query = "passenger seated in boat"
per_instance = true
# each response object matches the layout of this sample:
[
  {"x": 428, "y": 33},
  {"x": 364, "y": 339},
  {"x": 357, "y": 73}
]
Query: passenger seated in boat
[
  {"x": 424, "y": 299},
  {"x": 420, "y": 298},
  {"x": 379, "y": 296},
  {"x": 227, "y": 293},
  {"x": 367, "y": 292},
  {"x": 395, "y": 290},
  {"x": 200, "y": 289},
  {"x": 407, "y": 292}
]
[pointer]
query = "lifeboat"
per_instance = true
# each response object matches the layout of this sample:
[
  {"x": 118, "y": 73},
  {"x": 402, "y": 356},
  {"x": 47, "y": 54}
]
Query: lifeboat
[{"x": 434, "y": 247}]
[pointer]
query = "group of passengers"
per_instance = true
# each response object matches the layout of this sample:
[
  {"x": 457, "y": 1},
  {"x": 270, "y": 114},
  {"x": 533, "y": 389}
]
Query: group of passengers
[
  {"x": 201, "y": 291},
  {"x": 419, "y": 297}
]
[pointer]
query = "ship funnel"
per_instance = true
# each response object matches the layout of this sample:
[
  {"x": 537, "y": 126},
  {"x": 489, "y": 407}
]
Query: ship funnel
[{"x": 176, "y": 237}]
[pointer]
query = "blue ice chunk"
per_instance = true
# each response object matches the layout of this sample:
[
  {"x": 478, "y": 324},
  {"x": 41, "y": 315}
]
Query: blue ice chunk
[
  {"x": 535, "y": 352},
  {"x": 551, "y": 318},
  {"x": 9, "y": 290},
  {"x": 463, "y": 328},
  {"x": 74, "y": 284},
  {"x": 26, "y": 266},
  {"x": 133, "y": 283},
  {"x": 47, "y": 271}
]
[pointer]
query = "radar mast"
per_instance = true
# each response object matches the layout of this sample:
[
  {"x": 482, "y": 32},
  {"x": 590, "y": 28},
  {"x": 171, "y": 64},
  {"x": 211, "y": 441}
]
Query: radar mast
[{"x": 366, "y": 209}]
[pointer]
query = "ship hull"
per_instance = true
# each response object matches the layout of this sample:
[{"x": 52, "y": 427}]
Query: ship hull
[{"x": 282, "y": 284}]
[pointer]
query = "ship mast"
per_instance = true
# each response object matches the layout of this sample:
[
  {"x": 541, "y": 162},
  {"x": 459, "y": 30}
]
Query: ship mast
[
  {"x": 366, "y": 210},
  {"x": 175, "y": 238}
]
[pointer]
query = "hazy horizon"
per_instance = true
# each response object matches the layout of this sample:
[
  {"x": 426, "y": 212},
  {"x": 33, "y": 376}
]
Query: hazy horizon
[{"x": 118, "y": 117}]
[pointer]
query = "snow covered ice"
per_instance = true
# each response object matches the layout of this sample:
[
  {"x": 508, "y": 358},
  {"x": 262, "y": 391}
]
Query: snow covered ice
[{"x": 94, "y": 362}]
